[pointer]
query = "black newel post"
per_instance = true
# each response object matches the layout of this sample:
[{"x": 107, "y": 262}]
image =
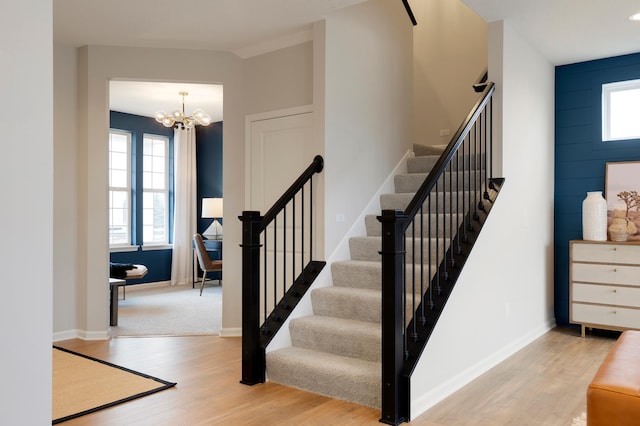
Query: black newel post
[
  {"x": 253, "y": 357},
  {"x": 395, "y": 398}
]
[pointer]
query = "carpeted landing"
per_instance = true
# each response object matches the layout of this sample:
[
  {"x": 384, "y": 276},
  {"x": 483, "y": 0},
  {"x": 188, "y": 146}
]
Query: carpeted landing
[
  {"x": 169, "y": 311},
  {"x": 83, "y": 385}
]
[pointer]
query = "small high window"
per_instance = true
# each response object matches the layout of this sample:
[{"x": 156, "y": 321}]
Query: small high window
[{"x": 621, "y": 110}]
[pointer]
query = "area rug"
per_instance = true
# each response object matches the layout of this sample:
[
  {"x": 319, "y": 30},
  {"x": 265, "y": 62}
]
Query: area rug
[
  {"x": 83, "y": 385},
  {"x": 581, "y": 420},
  {"x": 169, "y": 311}
]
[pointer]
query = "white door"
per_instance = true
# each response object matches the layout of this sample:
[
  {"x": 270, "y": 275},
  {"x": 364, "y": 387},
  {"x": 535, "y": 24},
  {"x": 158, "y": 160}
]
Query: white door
[{"x": 279, "y": 150}]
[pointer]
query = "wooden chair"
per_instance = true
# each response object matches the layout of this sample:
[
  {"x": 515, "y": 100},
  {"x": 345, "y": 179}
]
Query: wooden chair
[{"x": 205, "y": 262}]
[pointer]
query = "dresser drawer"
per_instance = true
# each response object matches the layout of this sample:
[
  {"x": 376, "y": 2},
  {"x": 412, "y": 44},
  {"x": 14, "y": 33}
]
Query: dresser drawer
[
  {"x": 607, "y": 274},
  {"x": 606, "y": 253},
  {"x": 606, "y": 294},
  {"x": 605, "y": 315}
]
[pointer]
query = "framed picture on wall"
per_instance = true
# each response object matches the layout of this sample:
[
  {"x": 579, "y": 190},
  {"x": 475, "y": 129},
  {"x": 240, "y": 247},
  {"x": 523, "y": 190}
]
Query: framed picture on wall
[{"x": 622, "y": 191}]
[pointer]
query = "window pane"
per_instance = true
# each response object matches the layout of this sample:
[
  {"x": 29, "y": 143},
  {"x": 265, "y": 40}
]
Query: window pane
[
  {"x": 625, "y": 106},
  {"x": 119, "y": 142},
  {"x": 158, "y": 164},
  {"x": 155, "y": 217},
  {"x": 118, "y": 178},
  {"x": 119, "y": 160},
  {"x": 620, "y": 106},
  {"x": 158, "y": 181}
]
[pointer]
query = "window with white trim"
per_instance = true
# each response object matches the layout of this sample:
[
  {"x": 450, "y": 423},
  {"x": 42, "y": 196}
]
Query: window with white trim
[
  {"x": 155, "y": 189},
  {"x": 119, "y": 188},
  {"x": 621, "y": 110}
]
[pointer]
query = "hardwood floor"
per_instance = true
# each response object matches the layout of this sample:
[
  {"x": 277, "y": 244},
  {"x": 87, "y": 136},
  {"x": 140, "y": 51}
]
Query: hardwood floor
[{"x": 543, "y": 384}]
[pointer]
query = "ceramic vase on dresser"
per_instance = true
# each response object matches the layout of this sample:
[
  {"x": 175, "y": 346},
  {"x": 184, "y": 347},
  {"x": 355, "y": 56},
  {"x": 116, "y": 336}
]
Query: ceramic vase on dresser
[{"x": 594, "y": 217}]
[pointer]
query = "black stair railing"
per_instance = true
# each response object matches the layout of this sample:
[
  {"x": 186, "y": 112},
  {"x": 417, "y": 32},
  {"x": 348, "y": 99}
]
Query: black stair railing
[
  {"x": 278, "y": 267},
  {"x": 425, "y": 245}
]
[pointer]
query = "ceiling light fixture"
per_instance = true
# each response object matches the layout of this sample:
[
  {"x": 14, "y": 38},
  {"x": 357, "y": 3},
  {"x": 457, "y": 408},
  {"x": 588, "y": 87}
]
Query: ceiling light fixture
[
  {"x": 635, "y": 17},
  {"x": 179, "y": 118}
]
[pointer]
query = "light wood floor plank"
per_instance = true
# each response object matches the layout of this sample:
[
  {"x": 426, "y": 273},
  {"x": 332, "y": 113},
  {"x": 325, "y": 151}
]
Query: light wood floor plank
[{"x": 543, "y": 384}]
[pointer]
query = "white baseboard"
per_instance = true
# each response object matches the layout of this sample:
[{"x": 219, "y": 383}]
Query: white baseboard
[
  {"x": 80, "y": 334},
  {"x": 426, "y": 401},
  {"x": 231, "y": 332}
]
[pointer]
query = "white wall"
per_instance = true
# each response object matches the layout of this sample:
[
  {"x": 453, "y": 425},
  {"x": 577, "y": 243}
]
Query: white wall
[
  {"x": 26, "y": 216},
  {"x": 65, "y": 189},
  {"x": 504, "y": 297},
  {"x": 279, "y": 79},
  {"x": 450, "y": 53},
  {"x": 367, "y": 106}
]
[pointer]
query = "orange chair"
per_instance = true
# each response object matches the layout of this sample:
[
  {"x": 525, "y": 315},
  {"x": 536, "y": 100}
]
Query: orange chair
[{"x": 205, "y": 262}]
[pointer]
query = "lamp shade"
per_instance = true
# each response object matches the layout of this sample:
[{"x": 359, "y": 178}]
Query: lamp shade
[{"x": 211, "y": 208}]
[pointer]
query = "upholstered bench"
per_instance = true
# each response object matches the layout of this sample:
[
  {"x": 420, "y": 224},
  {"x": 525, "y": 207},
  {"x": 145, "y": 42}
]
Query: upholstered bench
[{"x": 613, "y": 396}]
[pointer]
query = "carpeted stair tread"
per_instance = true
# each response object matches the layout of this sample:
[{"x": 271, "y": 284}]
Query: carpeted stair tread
[
  {"x": 336, "y": 376},
  {"x": 421, "y": 150},
  {"x": 411, "y": 182},
  {"x": 357, "y": 274},
  {"x": 424, "y": 164},
  {"x": 401, "y": 201},
  {"x": 348, "y": 303},
  {"x": 374, "y": 227},
  {"x": 368, "y": 248},
  {"x": 352, "y": 338}
]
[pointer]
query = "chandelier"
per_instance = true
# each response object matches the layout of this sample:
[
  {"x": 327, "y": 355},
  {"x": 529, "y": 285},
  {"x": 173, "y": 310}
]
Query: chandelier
[{"x": 179, "y": 118}]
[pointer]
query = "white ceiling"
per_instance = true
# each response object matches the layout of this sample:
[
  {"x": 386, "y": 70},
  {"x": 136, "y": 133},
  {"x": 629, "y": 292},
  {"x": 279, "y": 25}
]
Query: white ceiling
[
  {"x": 564, "y": 31},
  {"x": 146, "y": 98},
  {"x": 569, "y": 31}
]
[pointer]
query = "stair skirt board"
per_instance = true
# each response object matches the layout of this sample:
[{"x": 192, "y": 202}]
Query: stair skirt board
[{"x": 336, "y": 351}]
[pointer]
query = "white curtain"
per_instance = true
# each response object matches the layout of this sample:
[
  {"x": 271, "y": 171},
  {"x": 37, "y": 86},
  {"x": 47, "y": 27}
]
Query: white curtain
[{"x": 185, "y": 210}]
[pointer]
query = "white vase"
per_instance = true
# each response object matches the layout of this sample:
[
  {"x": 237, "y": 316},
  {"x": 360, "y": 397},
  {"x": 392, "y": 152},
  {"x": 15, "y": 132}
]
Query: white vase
[{"x": 594, "y": 217}]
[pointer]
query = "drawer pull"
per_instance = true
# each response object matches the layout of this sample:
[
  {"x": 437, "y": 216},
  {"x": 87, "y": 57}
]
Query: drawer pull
[
  {"x": 615, "y": 291},
  {"x": 614, "y": 312}
]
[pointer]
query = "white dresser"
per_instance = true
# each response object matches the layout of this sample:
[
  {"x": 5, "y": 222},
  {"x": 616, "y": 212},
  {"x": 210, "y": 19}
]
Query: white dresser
[{"x": 604, "y": 287}]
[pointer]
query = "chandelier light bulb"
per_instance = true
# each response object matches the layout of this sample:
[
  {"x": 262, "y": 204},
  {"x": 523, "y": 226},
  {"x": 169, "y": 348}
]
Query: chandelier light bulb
[{"x": 179, "y": 117}]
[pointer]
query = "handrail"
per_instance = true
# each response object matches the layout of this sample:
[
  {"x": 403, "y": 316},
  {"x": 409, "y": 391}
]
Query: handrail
[
  {"x": 457, "y": 139},
  {"x": 316, "y": 166},
  {"x": 407, "y": 6},
  {"x": 481, "y": 82}
]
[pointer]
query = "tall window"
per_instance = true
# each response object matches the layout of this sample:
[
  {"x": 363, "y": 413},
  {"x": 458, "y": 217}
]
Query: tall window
[
  {"x": 620, "y": 108},
  {"x": 119, "y": 188},
  {"x": 155, "y": 185}
]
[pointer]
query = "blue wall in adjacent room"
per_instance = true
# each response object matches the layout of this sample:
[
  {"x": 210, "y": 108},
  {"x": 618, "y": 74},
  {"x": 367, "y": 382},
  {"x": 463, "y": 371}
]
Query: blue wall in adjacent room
[
  {"x": 209, "y": 164},
  {"x": 209, "y": 181},
  {"x": 580, "y": 154}
]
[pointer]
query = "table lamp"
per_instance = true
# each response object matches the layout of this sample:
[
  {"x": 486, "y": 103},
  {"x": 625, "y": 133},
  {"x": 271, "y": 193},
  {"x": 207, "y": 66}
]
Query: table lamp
[{"x": 212, "y": 208}]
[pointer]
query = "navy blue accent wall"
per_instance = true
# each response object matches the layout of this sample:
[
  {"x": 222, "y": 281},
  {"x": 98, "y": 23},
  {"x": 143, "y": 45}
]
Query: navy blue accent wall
[
  {"x": 580, "y": 154},
  {"x": 209, "y": 179},
  {"x": 209, "y": 163}
]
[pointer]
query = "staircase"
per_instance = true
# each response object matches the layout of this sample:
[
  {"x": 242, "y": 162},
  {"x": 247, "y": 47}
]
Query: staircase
[{"x": 337, "y": 351}]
